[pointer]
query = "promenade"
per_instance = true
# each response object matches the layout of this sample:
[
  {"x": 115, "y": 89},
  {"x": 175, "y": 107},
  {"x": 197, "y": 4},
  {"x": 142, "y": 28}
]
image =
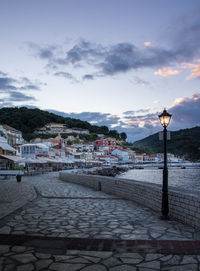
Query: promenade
[{"x": 70, "y": 227}]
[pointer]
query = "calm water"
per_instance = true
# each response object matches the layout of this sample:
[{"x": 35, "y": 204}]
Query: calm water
[{"x": 188, "y": 178}]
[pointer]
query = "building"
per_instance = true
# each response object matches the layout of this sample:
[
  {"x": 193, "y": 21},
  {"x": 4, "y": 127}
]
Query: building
[
  {"x": 14, "y": 136},
  {"x": 84, "y": 147},
  {"x": 51, "y": 128},
  {"x": 108, "y": 159},
  {"x": 78, "y": 131},
  {"x": 131, "y": 155},
  {"x": 34, "y": 150},
  {"x": 52, "y": 142},
  {"x": 150, "y": 158},
  {"x": 109, "y": 142},
  {"x": 5, "y": 148},
  {"x": 57, "y": 128},
  {"x": 122, "y": 154},
  {"x": 139, "y": 157}
]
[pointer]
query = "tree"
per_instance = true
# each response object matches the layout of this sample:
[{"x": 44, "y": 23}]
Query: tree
[
  {"x": 69, "y": 142},
  {"x": 93, "y": 137},
  {"x": 123, "y": 136},
  {"x": 114, "y": 133}
]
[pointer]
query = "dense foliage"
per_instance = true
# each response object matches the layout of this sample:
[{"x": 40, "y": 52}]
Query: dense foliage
[
  {"x": 27, "y": 120},
  {"x": 184, "y": 142}
]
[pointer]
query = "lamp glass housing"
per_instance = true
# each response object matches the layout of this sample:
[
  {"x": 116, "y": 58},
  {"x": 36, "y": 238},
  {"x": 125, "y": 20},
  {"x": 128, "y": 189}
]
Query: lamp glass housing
[{"x": 165, "y": 118}]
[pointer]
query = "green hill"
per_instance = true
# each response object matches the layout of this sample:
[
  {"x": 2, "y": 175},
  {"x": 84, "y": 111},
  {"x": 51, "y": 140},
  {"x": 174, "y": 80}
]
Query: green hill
[
  {"x": 27, "y": 120},
  {"x": 184, "y": 142}
]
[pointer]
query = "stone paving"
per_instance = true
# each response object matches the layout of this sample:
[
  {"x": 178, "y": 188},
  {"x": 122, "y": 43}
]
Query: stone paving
[
  {"x": 65, "y": 210},
  {"x": 14, "y": 195},
  {"x": 21, "y": 258}
]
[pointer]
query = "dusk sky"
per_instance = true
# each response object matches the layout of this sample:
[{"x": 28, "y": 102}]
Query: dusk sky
[{"x": 111, "y": 62}]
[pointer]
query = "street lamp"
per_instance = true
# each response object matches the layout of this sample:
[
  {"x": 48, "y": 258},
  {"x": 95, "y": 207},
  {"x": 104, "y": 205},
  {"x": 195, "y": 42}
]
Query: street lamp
[{"x": 165, "y": 119}]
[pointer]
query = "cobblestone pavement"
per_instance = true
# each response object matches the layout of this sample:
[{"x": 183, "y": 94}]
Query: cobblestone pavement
[
  {"x": 66, "y": 210},
  {"x": 14, "y": 195},
  {"x": 21, "y": 258}
]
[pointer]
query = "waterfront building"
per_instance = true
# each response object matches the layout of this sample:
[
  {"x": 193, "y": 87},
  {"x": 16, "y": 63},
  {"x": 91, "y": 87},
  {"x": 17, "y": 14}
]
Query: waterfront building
[
  {"x": 122, "y": 154},
  {"x": 150, "y": 158},
  {"x": 34, "y": 150},
  {"x": 139, "y": 157},
  {"x": 108, "y": 159}
]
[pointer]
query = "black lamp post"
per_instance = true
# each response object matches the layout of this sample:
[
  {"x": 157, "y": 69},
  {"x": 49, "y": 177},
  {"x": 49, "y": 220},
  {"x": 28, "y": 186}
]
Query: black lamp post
[{"x": 165, "y": 119}]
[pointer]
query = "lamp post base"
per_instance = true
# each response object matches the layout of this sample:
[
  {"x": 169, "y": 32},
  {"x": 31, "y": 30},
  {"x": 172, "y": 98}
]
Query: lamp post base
[{"x": 164, "y": 217}]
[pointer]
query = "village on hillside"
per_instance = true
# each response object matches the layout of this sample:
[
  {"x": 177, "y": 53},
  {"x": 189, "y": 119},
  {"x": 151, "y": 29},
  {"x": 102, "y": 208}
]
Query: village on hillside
[{"x": 43, "y": 155}]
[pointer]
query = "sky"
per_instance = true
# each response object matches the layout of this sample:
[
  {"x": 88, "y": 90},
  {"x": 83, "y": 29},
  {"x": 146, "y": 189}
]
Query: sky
[{"x": 117, "y": 63}]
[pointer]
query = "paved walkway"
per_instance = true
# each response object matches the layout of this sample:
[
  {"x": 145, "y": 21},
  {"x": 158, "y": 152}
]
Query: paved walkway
[{"x": 70, "y": 227}]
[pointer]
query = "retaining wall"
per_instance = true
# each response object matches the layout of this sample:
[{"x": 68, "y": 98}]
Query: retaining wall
[{"x": 182, "y": 206}]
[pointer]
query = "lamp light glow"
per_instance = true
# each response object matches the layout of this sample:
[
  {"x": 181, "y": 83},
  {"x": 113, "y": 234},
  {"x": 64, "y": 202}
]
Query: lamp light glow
[{"x": 165, "y": 118}]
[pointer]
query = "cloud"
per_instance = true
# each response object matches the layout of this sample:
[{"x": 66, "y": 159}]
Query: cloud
[
  {"x": 85, "y": 51},
  {"x": 88, "y": 77},
  {"x": 141, "y": 123},
  {"x": 135, "y": 112},
  {"x": 147, "y": 43},
  {"x": 95, "y": 118},
  {"x": 194, "y": 69},
  {"x": 7, "y": 84},
  {"x": 11, "y": 89},
  {"x": 186, "y": 111},
  {"x": 3, "y": 73},
  {"x": 140, "y": 81},
  {"x": 64, "y": 74},
  {"x": 18, "y": 97},
  {"x": 166, "y": 72},
  {"x": 46, "y": 52},
  {"x": 183, "y": 45}
]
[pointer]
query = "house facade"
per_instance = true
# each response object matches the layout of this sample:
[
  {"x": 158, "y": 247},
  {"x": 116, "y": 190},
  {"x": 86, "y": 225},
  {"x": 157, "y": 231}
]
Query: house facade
[
  {"x": 34, "y": 150},
  {"x": 110, "y": 143}
]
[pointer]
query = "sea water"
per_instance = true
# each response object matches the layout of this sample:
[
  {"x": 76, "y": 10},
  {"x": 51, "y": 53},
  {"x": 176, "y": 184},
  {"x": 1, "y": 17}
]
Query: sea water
[{"x": 186, "y": 178}]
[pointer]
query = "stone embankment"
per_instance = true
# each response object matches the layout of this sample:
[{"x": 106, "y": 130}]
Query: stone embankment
[{"x": 183, "y": 206}]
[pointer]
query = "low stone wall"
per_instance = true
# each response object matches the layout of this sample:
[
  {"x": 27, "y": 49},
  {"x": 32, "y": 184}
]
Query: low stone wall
[{"x": 182, "y": 206}]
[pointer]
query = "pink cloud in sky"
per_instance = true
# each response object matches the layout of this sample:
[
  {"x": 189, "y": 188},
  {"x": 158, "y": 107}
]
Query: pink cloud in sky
[
  {"x": 195, "y": 69},
  {"x": 166, "y": 72},
  {"x": 147, "y": 43}
]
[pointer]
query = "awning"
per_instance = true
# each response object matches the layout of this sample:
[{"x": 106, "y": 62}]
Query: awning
[
  {"x": 6, "y": 147},
  {"x": 13, "y": 158}
]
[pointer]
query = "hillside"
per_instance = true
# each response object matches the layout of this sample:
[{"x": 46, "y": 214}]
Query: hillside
[
  {"x": 27, "y": 120},
  {"x": 183, "y": 142}
]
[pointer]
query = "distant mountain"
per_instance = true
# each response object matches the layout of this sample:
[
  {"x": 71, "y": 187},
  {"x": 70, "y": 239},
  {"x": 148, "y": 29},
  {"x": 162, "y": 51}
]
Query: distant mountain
[
  {"x": 28, "y": 119},
  {"x": 184, "y": 142}
]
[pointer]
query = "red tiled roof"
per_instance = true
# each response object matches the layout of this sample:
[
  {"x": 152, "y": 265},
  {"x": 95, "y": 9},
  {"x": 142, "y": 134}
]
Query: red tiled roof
[
  {"x": 53, "y": 140},
  {"x": 7, "y": 127}
]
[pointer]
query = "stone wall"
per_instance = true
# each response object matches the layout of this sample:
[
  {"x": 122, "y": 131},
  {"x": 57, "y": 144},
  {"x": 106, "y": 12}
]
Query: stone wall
[{"x": 183, "y": 206}]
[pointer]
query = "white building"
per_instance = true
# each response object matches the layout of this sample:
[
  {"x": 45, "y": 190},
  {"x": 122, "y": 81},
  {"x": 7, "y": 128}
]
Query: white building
[
  {"x": 34, "y": 150},
  {"x": 122, "y": 154},
  {"x": 85, "y": 147},
  {"x": 5, "y": 148}
]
